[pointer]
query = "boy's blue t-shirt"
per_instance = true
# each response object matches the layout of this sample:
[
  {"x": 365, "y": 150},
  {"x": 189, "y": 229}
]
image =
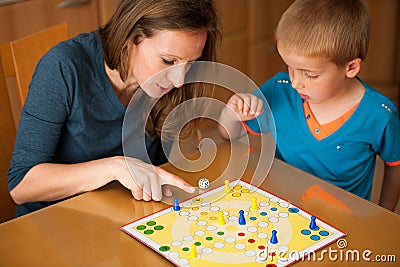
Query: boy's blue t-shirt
[
  {"x": 346, "y": 158},
  {"x": 72, "y": 115}
]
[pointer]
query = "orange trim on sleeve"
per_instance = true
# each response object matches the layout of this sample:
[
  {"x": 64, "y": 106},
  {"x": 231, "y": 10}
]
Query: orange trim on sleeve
[
  {"x": 250, "y": 130},
  {"x": 393, "y": 164}
]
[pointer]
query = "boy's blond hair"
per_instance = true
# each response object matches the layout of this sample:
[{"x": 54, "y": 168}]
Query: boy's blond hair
[{"x": 337, "y": 30}]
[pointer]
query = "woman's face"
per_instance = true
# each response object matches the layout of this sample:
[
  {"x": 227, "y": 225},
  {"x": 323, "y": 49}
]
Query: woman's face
[{"x": 165, "y": 49}]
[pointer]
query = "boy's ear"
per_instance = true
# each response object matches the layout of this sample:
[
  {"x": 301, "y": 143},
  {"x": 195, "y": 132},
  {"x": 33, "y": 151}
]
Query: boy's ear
[{"x": 353, "y": 68}]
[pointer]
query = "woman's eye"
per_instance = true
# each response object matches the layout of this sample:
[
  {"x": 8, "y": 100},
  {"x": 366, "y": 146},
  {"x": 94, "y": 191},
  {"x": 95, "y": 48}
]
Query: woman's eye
[{"x": 167, "y": 62}]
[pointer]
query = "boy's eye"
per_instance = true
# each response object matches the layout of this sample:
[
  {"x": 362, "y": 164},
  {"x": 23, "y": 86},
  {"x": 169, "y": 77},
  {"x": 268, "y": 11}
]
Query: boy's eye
[
  {"x": 167, "y": 62},
  {"x": 309, "y": 76}
]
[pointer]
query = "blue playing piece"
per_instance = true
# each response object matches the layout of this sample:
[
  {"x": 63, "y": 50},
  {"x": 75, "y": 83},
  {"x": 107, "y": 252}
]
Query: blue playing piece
[
  {"x": 274, "y": 238},
  {"x": 242, "y": 219},
  {"x": 313, "y": 224},
  {"x": 176, "y": 205}
]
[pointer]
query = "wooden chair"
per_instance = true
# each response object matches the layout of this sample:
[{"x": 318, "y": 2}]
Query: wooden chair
[
  {"x": 7, "y": 129},
  {"x": 19, "y": 59}
]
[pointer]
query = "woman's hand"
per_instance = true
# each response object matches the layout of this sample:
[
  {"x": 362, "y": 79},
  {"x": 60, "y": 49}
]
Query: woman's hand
[
  {"x": 147, "y": 181},
  {"x": 245, "y": 106}
]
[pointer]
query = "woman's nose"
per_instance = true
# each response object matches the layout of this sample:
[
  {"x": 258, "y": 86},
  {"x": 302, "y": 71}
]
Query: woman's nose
[{"x": 177, "y": 75}]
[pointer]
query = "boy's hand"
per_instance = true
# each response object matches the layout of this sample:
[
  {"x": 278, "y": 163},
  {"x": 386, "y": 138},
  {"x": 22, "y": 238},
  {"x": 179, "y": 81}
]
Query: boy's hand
[{"x": 245, "y": 106}]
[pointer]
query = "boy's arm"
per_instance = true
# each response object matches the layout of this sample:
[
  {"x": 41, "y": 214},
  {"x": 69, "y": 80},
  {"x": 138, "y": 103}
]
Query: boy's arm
[
  {"x": 390, "y": 188},
  {"x": 229, "y": 128}
]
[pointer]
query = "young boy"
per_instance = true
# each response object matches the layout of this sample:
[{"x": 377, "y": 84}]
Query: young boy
[{"x": 328, "y": 121}]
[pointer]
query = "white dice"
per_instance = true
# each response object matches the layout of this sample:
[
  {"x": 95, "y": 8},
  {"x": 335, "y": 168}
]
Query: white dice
[{"x": 204, "y": 183}]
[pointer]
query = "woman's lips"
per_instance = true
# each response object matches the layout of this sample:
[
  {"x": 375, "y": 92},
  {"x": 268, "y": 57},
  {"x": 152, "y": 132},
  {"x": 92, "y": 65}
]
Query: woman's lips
[{"x": 164, "y": 90}]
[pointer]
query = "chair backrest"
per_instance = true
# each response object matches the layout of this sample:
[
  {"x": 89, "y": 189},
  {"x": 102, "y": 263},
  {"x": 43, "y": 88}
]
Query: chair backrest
[
  {"x": 19, "y": 59},
  {"x": 7, "y": 130}
]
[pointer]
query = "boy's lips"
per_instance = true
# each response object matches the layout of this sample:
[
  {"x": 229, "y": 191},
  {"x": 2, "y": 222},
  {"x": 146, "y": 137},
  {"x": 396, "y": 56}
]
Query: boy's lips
[{"x": 305, "y": 97}]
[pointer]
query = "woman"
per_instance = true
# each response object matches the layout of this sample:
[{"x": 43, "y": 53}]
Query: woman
[{"x": 69, "y": 137}]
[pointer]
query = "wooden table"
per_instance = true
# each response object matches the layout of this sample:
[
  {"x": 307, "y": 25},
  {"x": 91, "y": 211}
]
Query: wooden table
[{"x": 84, "y": 230}]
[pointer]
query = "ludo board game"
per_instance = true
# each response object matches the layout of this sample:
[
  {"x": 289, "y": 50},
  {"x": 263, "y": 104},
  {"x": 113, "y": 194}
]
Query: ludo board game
[{"x": 233, "y": 225}]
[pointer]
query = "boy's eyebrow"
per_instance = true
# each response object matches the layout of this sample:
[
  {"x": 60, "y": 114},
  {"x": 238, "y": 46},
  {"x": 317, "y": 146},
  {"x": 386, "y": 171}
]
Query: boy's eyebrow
[
  {"x": 302, "y": 69},
  {"x": 309, "y": 70}
]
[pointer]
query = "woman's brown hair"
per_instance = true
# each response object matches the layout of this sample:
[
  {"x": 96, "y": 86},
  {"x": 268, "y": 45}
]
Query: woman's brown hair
[{"x": 136, "y": 19}]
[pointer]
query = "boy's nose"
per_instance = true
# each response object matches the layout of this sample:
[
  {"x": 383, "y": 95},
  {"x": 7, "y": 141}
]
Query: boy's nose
[{"x": 296, "y": 82}]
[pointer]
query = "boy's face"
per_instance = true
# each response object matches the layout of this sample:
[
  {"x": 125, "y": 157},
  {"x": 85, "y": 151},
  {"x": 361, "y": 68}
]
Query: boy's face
[{"x": 315, "y": 79}]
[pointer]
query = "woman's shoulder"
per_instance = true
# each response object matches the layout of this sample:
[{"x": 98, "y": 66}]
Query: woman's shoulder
[{"x": 83, "y": 47}]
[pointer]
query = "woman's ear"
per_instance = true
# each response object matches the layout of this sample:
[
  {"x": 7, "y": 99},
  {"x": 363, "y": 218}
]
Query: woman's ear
[{"x": 353, "y": 68}]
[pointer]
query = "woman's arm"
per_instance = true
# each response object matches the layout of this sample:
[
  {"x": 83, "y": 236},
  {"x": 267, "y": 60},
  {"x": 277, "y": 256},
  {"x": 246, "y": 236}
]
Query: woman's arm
[{"x": 48, "y": 181}]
